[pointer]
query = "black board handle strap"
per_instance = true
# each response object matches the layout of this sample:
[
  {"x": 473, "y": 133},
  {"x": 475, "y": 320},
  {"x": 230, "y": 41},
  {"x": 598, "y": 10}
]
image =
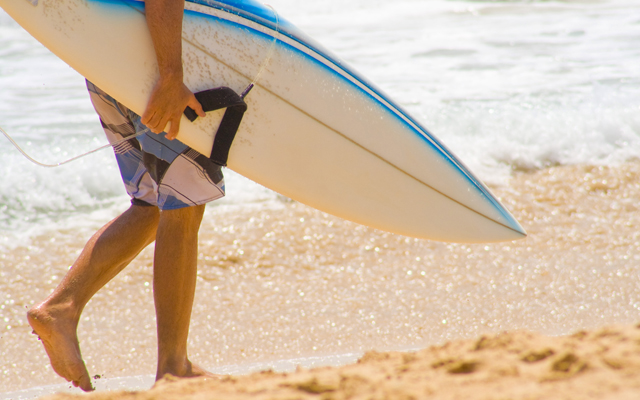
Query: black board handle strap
[{"x": 216, "y": 99}]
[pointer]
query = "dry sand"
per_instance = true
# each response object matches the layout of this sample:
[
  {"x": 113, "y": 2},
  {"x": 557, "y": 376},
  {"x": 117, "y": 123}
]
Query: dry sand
[
  {"x": 603, "y": 364},
  {"x": 292, "y": 282}
]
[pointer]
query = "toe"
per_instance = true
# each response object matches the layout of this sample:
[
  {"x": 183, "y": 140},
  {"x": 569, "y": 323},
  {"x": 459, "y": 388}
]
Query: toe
[{"x": 85, "y": 384}]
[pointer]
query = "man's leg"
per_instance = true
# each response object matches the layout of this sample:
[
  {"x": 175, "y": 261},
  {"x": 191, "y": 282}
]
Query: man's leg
[
  {"x": 174, "y": 283},
  {"x": 110, "y": 250}
]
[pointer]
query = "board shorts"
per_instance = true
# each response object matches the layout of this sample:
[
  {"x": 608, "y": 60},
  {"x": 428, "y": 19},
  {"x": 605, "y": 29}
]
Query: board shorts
[{"x": 156, "y": 171}]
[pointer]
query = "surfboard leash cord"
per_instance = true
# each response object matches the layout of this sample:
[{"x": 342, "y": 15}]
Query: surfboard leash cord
[
  {"x": 41, "y": 164},
  {"x": 267, "y": 59}
]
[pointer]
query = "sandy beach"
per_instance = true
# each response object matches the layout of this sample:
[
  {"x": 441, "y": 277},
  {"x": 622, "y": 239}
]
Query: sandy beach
[
  {"x": 287, "y": 281},
  {"x": 598, "y": 365}
]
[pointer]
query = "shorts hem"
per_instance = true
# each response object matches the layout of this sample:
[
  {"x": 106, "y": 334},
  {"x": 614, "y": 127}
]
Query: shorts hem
[{"x": 185, "y": 205}]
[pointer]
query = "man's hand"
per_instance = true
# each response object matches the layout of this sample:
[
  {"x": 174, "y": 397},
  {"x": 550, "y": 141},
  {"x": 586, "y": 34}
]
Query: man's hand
[
  {"x": 170, "y": 96},
  {"x": 168, "y": 101}
]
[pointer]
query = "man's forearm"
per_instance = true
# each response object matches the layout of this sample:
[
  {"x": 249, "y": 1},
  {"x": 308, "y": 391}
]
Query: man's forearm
[
  {"x": 164, "y": 18},
  {"x": 169, "y": 97}
]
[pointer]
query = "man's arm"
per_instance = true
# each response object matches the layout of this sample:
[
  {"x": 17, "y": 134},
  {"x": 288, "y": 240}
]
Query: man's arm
[{"x": 170, "y": 96}]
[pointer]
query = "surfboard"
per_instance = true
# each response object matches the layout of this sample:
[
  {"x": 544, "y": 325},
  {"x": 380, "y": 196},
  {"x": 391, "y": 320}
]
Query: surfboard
[{"x": 315, "y": 131}]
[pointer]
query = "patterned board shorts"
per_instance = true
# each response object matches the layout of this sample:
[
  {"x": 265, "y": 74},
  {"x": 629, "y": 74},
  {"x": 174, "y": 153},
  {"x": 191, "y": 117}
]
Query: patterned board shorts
[{"x": 156, "y": 171}]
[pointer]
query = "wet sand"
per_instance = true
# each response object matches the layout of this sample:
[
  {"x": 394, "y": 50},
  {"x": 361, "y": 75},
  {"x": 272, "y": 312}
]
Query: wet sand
[{"x": 286, "y": 281}]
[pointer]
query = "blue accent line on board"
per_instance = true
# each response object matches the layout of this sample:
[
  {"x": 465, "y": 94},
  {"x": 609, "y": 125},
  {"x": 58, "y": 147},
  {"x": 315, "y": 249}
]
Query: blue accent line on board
[{"x": 257, "y": 13}]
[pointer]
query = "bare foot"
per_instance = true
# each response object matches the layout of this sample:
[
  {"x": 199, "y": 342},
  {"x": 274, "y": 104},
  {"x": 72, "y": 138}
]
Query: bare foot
[
  {"x": 189, "y": 370},
  {"x": 58, "y": 335},
  {"x": 197, "y": 371}
]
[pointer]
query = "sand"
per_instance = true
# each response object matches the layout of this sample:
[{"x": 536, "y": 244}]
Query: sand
[
  {"x": 286, "y": 282},
  {"x": 598, "y": 365}
]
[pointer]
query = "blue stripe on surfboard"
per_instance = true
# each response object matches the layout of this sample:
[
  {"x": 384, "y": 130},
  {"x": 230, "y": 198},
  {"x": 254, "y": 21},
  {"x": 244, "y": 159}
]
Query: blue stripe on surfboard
[
  {"x": 264, "y": 16},
  {"x": 261, "y": 15},
  {"x": 258, "y": 13}
]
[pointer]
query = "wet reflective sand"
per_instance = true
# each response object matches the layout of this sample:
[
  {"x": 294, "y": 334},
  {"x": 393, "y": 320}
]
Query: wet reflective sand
[{"x": 288, "y": 281}]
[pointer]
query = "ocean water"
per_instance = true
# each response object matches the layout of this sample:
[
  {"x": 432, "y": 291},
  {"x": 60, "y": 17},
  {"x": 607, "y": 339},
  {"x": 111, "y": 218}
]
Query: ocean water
[{"x": 541, "y": 99}]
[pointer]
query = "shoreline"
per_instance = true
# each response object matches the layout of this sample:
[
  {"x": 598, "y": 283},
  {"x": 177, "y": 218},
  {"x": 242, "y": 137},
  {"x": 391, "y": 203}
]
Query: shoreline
[{"x": 145, "y": 382}]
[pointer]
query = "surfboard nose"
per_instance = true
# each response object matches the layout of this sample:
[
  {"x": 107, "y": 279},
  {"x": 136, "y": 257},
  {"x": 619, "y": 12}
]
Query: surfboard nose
[{"x": 512, "y": 231}]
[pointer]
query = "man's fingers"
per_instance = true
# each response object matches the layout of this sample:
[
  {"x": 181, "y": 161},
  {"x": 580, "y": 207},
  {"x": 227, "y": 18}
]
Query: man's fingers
[
  {"x": 196, "y": 106},
  {"x": 146, "y": 117},
  {"x": 166, "y": 106},
  {"x": 174, "y": 128},
  {"x": 155, "y": 123},
  {"x": 152, "y": 121}
]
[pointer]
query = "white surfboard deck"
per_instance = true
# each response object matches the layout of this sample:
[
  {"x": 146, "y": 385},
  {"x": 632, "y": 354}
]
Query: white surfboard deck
[{"x": 315, "y": 131}]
